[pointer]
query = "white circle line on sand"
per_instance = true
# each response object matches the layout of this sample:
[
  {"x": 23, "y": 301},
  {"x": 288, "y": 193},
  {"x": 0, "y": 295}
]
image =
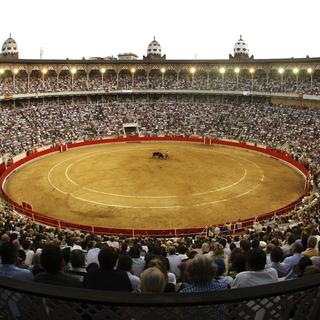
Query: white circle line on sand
[
  {"x": 144, "y": 207},
  {"x": 123, "y": 206},
  {"x": 154, "y": 197},
  {"x": 49, "y": 177},
  {"x": 59, "y": 163},
  {"x": 164, "y": 207}
]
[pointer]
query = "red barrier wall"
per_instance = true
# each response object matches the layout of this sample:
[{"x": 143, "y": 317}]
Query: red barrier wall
[{"x": 40, "y": 218}]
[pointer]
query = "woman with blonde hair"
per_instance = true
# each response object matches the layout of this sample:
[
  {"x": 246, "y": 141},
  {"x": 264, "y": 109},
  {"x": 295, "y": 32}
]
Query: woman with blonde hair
[
  {"x": 217, "y": 251},
  {"x": 153, "y": 280}
]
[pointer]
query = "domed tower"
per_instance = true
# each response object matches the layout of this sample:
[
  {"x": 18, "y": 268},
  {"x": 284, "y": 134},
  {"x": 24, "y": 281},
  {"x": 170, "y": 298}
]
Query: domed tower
[
  {"x": 10, "y": 49},
  {"x": 241, "y": 50},
  {"x": 154, "y": 51}
]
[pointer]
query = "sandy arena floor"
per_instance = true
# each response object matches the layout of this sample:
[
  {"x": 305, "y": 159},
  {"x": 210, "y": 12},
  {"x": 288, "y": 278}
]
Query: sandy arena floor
[{"x": 120, "y": 185}]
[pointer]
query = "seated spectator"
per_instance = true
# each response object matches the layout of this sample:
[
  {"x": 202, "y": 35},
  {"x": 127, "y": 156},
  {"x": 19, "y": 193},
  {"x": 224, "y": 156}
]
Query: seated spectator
[
  {"x": 78, "y": 263},
  {"x": 106, "y": 277},
  {"x": 221, "y": 268},
  {"x": 174, "y": 261},
  {"x": 9, "y": 254},
  {"x": 310, "y": 270},
  {"x": 125, "y": 264},
  {"x": 257, "y": 273},
  {"x": 245, "y": 245},
  {"x": 138, "y": 262},
  {"x": 162, "y": 264},
  {"x": 36, "y": 265},
  {"x": 153, "y": 280},
  {"x": 93, "y": 252},
  {"x": 291, "y": 261},
  {"x": 184, "y": 276},
  {"x": 52, "y": 262},
  {"x": 238, "y": 262},
  {"x": 21, "y": 258},
  {"x": 218, "y": 252},
  {"x": 202, "y": 273},
  {"x": 312, "y": 249},
  {"x": 66, "y": 253},
  {"x": 26, "y": 245},
  {"x": 299, "y": 268},
  {"x": 316, "y": 259},
  {"x": 276, "y": 256}
]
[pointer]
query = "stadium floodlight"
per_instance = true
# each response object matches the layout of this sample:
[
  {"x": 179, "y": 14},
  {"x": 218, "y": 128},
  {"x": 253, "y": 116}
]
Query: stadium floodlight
[
  {"x": 281, "y": 71},
  {"x": 296, "y": 72},
  {"x": 310, "y": 71},
  {"x": 73, "y": 72},
  {"x": 192, "y": 70},
  {"x": 133, "y": 71},
  {"x": 237, "y": 70},
  {"x": 162, "y": 70},
  {"x": 14, "y": 73},
  {"x": 44, "y": 72},
  {"x": 222, "y": 70},
  {"x": 252, "y": 71},
  {"x": 102, "y": 70}
]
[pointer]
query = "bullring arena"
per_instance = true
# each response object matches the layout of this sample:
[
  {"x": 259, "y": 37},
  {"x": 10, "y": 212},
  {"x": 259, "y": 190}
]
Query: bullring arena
[
  {"x": 123, "y": 165},
  {"x": 120, "y": 185}
]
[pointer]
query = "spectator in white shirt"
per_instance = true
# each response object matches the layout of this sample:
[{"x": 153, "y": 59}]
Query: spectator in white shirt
[
  {"x": 125, "y": 264},
  {"x": 257, "y": 273}
]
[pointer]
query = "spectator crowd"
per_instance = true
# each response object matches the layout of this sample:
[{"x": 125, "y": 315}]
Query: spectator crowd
[
  {"x": 285, "y": 248},
  {"x": 295, "y": 130},
  {"x": 199, "y": 81},
  {"x": 281, "y": 249}
]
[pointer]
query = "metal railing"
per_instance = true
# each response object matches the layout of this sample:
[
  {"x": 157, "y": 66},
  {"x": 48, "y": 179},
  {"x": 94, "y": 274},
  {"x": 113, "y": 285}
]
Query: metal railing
[{"x": 294, "y": 300}]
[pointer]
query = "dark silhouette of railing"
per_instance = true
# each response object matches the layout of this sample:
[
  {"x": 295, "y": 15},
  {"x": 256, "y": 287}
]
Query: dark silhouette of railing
[{"x": 294, "y": 300}]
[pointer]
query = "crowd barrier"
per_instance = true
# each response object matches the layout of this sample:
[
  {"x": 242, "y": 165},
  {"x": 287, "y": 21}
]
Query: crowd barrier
[
  {"x": 235, "y": 225},
  {"x": 292, "y": 300}
]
